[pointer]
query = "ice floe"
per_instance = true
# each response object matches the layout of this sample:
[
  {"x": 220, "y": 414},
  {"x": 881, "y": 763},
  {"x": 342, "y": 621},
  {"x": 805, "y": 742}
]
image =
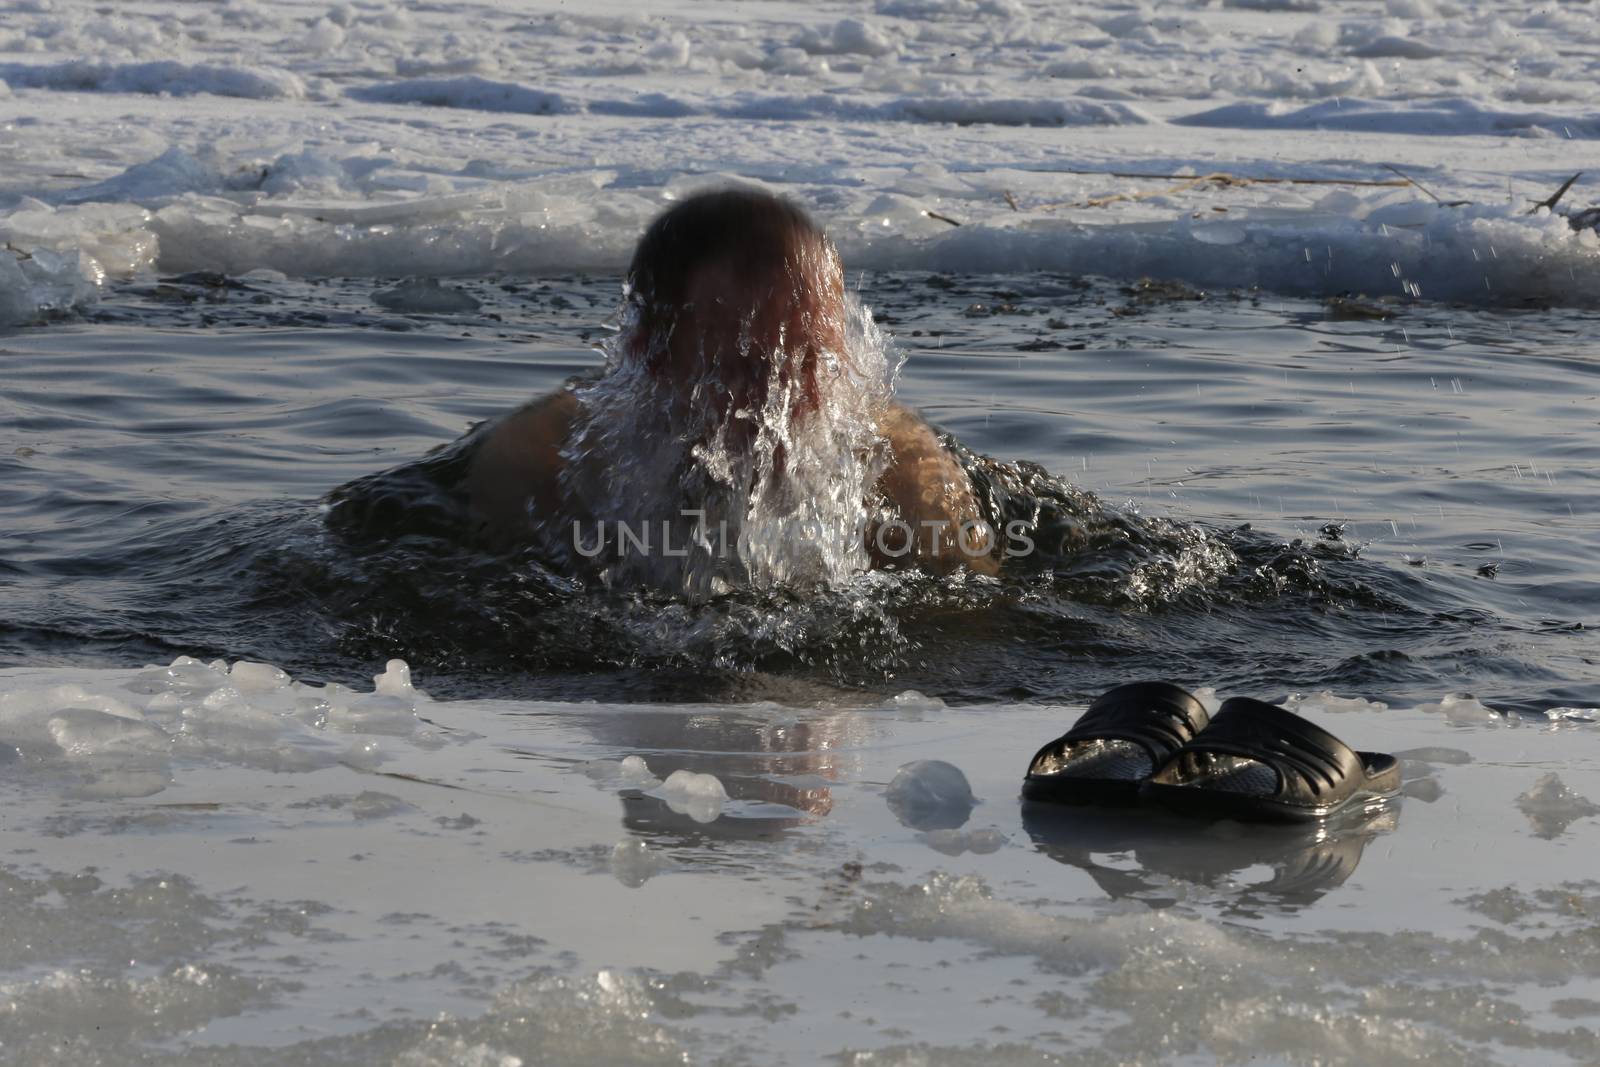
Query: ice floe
[{"x": 464, "y": 139}]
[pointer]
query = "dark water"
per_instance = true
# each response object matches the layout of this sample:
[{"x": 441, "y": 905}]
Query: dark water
[{"x": 1259, "y": 494}]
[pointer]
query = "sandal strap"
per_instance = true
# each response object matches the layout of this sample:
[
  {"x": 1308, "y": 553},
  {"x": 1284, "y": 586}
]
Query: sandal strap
[
  {"x": 1158, "y": 716},
  {"x": 1309, "y": 760}
]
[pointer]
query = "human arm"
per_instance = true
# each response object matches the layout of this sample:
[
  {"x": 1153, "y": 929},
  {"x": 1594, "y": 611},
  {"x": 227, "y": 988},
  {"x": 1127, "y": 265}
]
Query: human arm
[
  {"x": 931, "y": 494},
  {"x": 516, "y": 471}
]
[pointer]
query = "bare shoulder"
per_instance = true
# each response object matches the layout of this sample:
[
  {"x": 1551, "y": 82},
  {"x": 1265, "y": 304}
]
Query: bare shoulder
[
  {"x": 931, "y": 492},
  {"x": 518, "y": 465}
]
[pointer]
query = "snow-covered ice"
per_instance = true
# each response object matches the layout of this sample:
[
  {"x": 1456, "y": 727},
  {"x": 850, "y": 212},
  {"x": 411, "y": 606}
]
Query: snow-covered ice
[{"x": 466, "y": 138}]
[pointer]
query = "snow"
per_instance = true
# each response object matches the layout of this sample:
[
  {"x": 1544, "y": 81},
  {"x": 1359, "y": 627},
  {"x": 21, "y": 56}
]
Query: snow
[
  {"x": 468, "y": 139},
  {"x": 473, "y": 93},
  {"x": 1449, "y": 117},
  {"x": 172, "y": 78},
  {"x": 202, "y": 865}
]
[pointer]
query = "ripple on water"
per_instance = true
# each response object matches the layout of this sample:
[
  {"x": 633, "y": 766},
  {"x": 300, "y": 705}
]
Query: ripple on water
[{"x": 1192, "y": 456}]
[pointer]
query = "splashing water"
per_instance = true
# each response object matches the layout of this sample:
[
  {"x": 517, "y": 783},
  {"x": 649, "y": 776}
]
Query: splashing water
[
  {"x": 394, "y": 566},
  {"x": 699, "y": 490}
]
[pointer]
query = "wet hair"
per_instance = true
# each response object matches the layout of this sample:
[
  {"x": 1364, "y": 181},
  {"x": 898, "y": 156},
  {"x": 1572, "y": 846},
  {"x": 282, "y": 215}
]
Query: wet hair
[
  {"x": 755, "y": 235},
  {"x": 743, "y": 227}
]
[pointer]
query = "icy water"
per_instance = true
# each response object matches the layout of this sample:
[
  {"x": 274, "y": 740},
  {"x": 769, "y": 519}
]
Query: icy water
[
  {"x": 1420, "y": 493},
  {"x": 210, "y": 864}
]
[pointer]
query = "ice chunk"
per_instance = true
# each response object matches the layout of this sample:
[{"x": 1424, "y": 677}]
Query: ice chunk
[
  {"x": 1095, "y": 67},
  {"x": 1453, "y": 116},
  {"x": 633, "y": 863},
  {"x": 306, "y": 173},
  {"x": 472, "y": 92},
  {"x": 390, "y": 709},
  {"x": 184, "y": 676},
  {"x": 635, "y": 772},
  {"x": 257, "y": 677},
  {"x": 1326, "y": 702},
  {"x": 1551, "y": 806},
  {"x": 226, "y": 722},
  {"x": 395, "y": 681},
  {"x": 26, "y": 702},
  {"x": 172, "y": 173},
  {"x": 848, "y": 37},
  {"x": 221, "y": 697},
  {"x": 82, "y": 732},
  {"x": 325, "y": 36},
  {"x": 165, "y": 77},
  {"x": 631, "y": 772},
  {"x": 114, "y": 239},
  {"x": 911, "y": 704},
  {"x": 1462, "y": 709},
  {"x": 38, "y": 282},
  {"x": 373, "y": 714},
  {"x": 699, "y": 796},
  {"x": 930, "y": 794}
]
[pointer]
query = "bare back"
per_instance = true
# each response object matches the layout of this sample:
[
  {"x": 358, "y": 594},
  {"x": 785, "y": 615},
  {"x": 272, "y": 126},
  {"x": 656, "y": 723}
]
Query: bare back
[{"x": 516, "y": 475}]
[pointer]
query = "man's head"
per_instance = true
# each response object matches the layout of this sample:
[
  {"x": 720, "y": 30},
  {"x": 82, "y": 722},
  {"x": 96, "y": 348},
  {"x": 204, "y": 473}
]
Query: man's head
[{"x": 737, "y": 292}]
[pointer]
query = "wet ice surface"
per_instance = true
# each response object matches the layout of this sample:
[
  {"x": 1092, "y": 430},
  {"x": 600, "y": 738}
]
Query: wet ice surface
[{"x": 205, "y": 865}]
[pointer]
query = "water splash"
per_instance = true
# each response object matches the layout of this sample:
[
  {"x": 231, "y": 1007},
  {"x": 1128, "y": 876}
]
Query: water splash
[{"x": 704, "y": 487}]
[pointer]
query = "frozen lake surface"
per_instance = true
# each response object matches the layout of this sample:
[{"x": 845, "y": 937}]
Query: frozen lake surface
[
  {"x": 463, "y": 138},
  {"x": 1268, "y": 281},
  {"x": 339, "y": 877}
]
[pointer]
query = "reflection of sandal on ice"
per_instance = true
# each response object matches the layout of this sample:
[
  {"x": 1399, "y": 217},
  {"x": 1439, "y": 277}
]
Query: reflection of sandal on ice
[
  {"x": 1140, "y": 854},
  {"x": 1127, "y": 733},
  {"x": 1257, "y": 761}
]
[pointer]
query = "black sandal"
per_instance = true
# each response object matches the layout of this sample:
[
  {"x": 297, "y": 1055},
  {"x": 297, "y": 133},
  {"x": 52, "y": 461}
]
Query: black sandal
[
  {"x": 1258, "y": 762},
  {"x": 1125, "y": 735}
]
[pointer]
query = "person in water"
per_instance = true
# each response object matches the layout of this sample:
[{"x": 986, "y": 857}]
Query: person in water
[{"x": 734, "y": 354}]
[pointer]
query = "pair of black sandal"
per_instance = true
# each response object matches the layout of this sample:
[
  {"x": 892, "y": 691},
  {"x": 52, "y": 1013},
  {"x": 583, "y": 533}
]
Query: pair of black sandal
[{"x": 1153, "y": 741}]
